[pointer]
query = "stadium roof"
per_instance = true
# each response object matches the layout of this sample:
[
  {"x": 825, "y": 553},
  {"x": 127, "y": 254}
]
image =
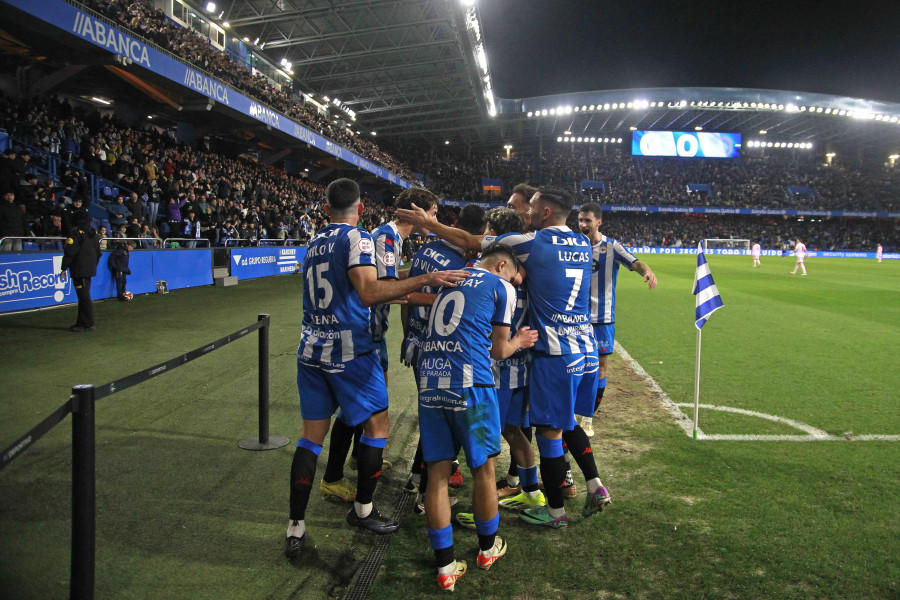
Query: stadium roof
[{"x": 421, "y": 70}]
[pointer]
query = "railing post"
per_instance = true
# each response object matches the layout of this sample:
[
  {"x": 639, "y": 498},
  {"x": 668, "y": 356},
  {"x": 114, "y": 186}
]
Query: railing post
[
  {"x": 264, "y": 441},
  {"x": 264, "y": 379},
  {"x": 84, "y": 498}
]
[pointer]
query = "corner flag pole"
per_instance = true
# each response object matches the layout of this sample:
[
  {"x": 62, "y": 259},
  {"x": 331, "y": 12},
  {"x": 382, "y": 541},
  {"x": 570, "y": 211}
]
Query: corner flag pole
[
  {"x": 697, "y": 388},
  {"x": 708, "y": 302}
]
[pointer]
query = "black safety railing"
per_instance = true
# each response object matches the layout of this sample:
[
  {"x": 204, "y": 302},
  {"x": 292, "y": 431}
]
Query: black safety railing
[{"x": 81, "y": 404}]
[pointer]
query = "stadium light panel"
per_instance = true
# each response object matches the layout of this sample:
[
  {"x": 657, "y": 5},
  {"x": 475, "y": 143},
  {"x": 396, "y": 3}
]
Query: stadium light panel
[
  {"x": 619, "y": 140},
  {"x": 544, "y": 112},
  {"x": 763, "y": 132},
  {"x": 210, "y": 7},
  {"x": 374, "y": 133},
  {"x": 579, "y": 139},
  {"x": 591, "y": 107},
  {"x": 246, "y": 39},
  {"x": 559, "y": 139},
  {"x": 894, "y": 156},
  {"x": 630, "y": 105},
  {"x": 698, "y": 128},
  {"x": 552, "y": 111},
  {"x": 530, "y": 113},
  {"x": 653, "y": 105},
  {"x": 256, "y": 42},
  {"x": 893, "y": 119},
  {"x": 226, "y": 24},
  {"x": 605, "y": 140},
  {"x": 446, "y": 142},
  {"x": 605, "y": 106},
  {"x": 467, "y": 3},
  {"x": 615, "y": 105},
  {"x": 584, "y": 107},
  {"x": 567, "y": 132},
  {"x": 768, "y": 144},
  {"x": 633, "y": 128},
  {"x": 576, "y": 109},
  {"x": 593, "y": 140},
  {"x": 100, "y": 100}
]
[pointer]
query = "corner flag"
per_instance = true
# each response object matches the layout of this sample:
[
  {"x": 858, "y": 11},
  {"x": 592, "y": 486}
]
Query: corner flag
[
  {"x": 708, "y": 299},
  {"x": 708, "y": 302}
]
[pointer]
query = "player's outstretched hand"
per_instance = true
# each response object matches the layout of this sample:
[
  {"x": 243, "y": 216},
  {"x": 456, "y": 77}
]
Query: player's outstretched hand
[
  {"x": 527, "y": 337},
  {"x": 650, "y": 279},
  {"x": 442, "y": 278},
  {"x": 416, "y": 215}
]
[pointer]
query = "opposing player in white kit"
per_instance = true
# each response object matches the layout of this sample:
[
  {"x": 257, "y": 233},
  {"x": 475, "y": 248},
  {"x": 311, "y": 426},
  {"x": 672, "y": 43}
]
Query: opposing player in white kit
[
  {"x": 879, "y": 252},
  {"x": 800, "y": 249},
  {"x": 755, "y": 253},
  {"x": 608, "y": 255}
]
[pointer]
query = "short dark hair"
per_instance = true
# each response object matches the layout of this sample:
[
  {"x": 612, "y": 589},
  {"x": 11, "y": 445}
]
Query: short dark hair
[
  {"x": 342, "y": 193},
  {"x": 526, "y": 190},
  {"x": 505, "y": 220},
  {"x": 471, "y": 219},
  {"x": 421, "y": 197},
  {"x": 501, "y": 251},
  {"x": 592, "y": 207},
  {"x": 558, "y": 197}
]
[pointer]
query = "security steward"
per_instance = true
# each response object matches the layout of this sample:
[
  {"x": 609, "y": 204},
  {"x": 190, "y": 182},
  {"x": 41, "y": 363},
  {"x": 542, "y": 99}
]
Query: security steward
[{"x": 81, "y": 255}]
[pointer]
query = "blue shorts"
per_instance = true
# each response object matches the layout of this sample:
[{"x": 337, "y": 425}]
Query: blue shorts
[
  {"x": 554, "y": 386},
  {"x": 513, "y": 406},
  {"x": 606, "y": 338},
  {"x": 357, "y": 387},
  {"x": 586, "y": 397},
  {"x": 466, "y": 418},
  {"x": 381, "y": 351}
]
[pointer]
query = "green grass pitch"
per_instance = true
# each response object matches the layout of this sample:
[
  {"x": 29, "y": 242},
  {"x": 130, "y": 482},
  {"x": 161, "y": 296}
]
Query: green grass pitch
[{"x": 184, "y": 513}]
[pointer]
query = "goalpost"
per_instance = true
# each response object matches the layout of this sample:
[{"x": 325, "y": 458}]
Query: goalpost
[{"x": 726, "y": 244}]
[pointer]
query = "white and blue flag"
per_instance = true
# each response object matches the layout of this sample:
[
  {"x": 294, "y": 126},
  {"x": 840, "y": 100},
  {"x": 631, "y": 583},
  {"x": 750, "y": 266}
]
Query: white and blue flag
[{"x": 708, "y": 299}]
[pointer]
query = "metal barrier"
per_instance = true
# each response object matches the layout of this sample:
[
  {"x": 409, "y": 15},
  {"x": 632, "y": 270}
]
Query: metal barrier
[
  {"x": 170, "y": 241},
  {"x": 31, "y": 239},
  {"x": 81, "y": 404}
]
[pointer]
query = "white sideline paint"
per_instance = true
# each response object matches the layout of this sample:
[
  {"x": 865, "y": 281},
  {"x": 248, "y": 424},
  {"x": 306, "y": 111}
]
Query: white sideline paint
[{"x": 686, "y": 424}]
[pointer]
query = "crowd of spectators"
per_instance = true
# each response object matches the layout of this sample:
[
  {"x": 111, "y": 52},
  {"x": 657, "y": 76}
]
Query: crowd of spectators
[
  {"x": 772, "y": 232},
  {"x": 166, "y": 189},
  {"x": 754, "y": 181},
  {"x": 153, "y": 25}
]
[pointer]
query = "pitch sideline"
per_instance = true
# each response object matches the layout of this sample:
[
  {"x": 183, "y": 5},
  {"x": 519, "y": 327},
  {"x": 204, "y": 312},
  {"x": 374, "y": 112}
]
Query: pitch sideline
[{"x": 686, "y": 423}]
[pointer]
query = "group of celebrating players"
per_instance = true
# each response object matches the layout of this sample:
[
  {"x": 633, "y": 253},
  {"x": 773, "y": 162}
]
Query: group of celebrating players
[{"x": 508, "y": 322}]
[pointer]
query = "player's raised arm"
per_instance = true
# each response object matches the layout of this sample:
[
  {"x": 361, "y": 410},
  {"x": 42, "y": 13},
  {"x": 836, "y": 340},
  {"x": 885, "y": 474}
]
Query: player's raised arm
[
  {"x": 456, "y": 236},
  {"x": 644, "y": 270},
  {"x": 372, "y": 290}
]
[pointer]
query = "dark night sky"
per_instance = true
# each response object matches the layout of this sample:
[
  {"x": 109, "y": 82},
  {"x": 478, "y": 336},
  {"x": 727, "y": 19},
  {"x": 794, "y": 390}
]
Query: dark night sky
[{"x": 542, "y": 47}]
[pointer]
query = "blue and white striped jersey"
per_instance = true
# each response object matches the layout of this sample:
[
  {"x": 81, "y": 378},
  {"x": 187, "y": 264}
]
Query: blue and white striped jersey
[
  {"x": 388, "y": 247},
  {"x": 608, "y": 255},
  {"x": 436, "y": 256},
  {"x": 512, "y": 373},
  {"x": 558, "y": 263},
  {"x": 456, "y": 350},
  {"x": 335, "y": 323}
]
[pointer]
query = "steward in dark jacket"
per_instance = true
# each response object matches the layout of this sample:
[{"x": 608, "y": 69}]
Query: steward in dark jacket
[{"x": 81, "y": 254}]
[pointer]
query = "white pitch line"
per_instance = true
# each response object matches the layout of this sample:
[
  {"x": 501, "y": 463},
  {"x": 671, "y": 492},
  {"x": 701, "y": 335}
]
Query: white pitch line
[{"x": 684, "y": 421}]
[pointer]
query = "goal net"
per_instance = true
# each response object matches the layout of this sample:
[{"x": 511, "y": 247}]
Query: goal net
[{"x": 726, "y": 244}]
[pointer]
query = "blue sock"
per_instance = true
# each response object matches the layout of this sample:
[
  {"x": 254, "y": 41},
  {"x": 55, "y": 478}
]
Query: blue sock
[
  {"x": 487, "y": 532},
  {"x": 528, "y": 478},
  {"x": 441, "y": 538},
  {"x": 549, "y": 448}
]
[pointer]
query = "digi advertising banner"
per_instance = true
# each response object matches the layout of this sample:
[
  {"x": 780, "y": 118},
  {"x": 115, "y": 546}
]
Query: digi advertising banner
[
  {"x": 33, "y": 280},
  {"x": 250, "y": 263},
  {"x": 102, "y": 34}
]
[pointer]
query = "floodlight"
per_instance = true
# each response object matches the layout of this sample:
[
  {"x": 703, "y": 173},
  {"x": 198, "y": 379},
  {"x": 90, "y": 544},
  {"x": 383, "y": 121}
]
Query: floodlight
[
  {"x": 467, "y": 3},
  {"x": 256, "y": 42},
  {"x": 653, "y": 105},
  {"x": 633, "y": 128},
  {"x": 374, "y": 133},
  {"x": 615, "y": 105},
  {"x": 579, "y": 139},
  {"x": 567, "y": 132},
  {"x": 552, "y": 111},
  {"x": 763, "y": 132},
  {"x": 446, "y": 142},
  {"x": 894, "y": 156},
  {"x": 593, "y": 140},
  {"x": 605, "y": 140},
  {"x": 544, "y": 112},
  {"x": 559, "y": 139},
  {"x": 605, "y": 107},
  {"x": 576, "y": 109},
  {"x": 630, "y": 105},
  {"x": 698, "y": 128},
  {"x": 530, "y": 113},
  {"x": 831, "y": 155},
  {"x": 210, "y": 7}
]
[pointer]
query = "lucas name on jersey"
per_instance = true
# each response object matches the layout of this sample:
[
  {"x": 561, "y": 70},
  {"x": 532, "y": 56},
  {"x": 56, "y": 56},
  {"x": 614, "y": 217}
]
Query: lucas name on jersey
[{"x": 572, "y": 256}]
